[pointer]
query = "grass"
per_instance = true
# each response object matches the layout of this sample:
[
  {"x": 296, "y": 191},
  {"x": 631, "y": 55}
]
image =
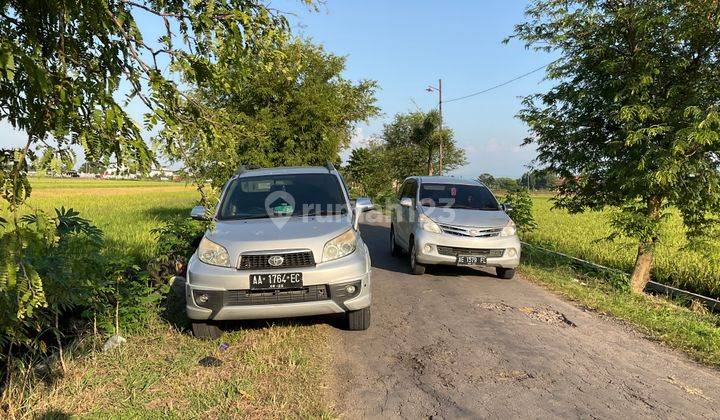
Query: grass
[
  {"x": 266, "y": 371},
  {"x": 582, "y": 236},
  {"x": 696, "y": 333}
]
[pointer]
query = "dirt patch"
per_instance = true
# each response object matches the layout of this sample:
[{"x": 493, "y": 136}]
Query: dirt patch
[{"x": 545, "y": 314}]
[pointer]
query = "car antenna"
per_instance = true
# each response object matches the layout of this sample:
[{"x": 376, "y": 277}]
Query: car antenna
[{"x": 330, "y": 167}]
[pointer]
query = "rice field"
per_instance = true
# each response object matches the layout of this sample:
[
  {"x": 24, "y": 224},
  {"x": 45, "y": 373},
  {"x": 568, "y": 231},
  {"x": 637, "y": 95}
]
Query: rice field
[
  {"x": 126, "y": 211},
  {"x": 583, "y": 236}
]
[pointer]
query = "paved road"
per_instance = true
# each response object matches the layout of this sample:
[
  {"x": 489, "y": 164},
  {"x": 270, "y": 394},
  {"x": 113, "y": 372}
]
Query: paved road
[{"x": 462, "y": 343}]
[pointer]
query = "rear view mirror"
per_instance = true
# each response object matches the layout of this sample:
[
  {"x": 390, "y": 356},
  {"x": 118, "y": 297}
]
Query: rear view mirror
[
  {"x": 199, "y": 213},
  {"x": 505, "y": 207},
  {"x": 406, "y": 202}
]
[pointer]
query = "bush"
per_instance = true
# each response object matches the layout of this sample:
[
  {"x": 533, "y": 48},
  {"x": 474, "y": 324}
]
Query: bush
[{"x": 520, "y": 211}]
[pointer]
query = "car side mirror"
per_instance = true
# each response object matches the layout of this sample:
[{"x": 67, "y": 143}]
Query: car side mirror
[
  {"x": 506, "y": 207},
  {"x": 362, "y": 205},
  {"x": 406, "y": 202},
  {"x": 199, "y": 213}
]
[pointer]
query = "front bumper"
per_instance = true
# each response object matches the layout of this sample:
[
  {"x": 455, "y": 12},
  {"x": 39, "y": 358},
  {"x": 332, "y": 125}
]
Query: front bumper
[
  {"x": 427, "y": 244},
  {"x": 229, "y": 298}
]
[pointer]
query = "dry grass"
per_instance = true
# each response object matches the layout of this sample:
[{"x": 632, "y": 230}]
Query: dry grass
[{"x": 267, "y": 371}]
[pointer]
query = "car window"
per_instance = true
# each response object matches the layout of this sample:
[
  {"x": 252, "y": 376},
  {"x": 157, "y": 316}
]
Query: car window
[
  {"x": 473, "y": 197},
  {"x": 404, "y": 190},
  {"x": 282, "y": 195}
]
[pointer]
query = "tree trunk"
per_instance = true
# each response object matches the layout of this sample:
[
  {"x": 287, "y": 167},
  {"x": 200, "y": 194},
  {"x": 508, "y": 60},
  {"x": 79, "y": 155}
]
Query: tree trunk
[
  {"x": 430, "y": 162},
  {"x": 643, "y": 263},
  {"x": 644, "y": 260}
]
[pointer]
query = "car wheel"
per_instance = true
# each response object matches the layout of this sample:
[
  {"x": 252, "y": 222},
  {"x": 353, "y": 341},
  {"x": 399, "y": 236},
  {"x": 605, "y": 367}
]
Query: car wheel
[
  {"x": 505, "y": 273},
  {"x": 206, "y": 331},
  {"x": 395, "y": 249},
  {"x": 358, "y": 320},
  {"x": 415, "y": 267}
]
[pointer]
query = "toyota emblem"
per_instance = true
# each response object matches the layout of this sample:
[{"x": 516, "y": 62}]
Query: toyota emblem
[
  {"x": 474, "y": 232},
  {"x": 276, "y": 260}
]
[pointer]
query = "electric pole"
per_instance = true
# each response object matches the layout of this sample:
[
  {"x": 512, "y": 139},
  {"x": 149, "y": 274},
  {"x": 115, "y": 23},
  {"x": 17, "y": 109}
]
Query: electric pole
[{"x": 438, "y": 89}]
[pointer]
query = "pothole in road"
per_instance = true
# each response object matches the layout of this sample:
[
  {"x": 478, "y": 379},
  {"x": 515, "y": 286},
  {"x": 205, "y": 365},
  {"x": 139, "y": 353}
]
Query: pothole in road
[
  {"x": 548, "y": 315},
  {"x": 544, "y": 314}
]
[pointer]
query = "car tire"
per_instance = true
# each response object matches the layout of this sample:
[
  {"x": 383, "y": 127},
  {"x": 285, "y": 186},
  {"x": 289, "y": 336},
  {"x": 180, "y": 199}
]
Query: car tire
[
  {"x": 505, "y": 273},
  {"x": 206, "y": 331},
  {"x": 395, "y": 250},
  {"x": 358, "y": 320},
  {"x": 415, "y": 267}
]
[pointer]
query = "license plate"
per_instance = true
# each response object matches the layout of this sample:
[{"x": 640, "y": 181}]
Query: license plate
[
  {"x": 276, "y": 281},
  {"x": 471, "y": 260}
]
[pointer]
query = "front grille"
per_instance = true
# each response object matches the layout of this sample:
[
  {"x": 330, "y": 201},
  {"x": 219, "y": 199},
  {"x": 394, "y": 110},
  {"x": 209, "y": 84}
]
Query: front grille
[
  {"x": 454, "y": 251},
  {"x": 290, "y": 260},
  {"x": 264, "y": 297},
  {"x": 474, "y": 232}
]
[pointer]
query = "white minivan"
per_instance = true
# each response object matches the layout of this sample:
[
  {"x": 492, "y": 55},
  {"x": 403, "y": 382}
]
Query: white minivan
[{"x": 445, "y": 220}]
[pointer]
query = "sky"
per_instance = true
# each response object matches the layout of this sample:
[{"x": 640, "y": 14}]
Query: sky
[{"x": 406, "y": 45}]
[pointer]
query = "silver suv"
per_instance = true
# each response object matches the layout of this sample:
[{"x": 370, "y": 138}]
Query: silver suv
[
  {"x": 444, "y": 220},
  {"x": 284, "y": 243}
]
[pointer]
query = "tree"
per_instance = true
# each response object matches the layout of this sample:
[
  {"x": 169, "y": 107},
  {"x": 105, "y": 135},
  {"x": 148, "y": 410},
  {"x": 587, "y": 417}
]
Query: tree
[
  {"x": 539, "y": 179},
  {"x": 367, "y": 168},
  {"x": 487, "y": 179},
  {"x": 410, "y": 141},
  {"x": 291, "y": 107},
  {"x": 62, "y": 64},
  {"x": 633, "y": 121}
]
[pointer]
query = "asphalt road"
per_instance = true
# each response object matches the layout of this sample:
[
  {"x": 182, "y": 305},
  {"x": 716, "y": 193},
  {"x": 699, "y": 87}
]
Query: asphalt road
[{"x": 463, "y": 343}]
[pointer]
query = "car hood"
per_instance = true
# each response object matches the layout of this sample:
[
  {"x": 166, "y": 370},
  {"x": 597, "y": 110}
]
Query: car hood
[
  {"x": 239, "y": 236},
  {"x": 465, "y": 217}
]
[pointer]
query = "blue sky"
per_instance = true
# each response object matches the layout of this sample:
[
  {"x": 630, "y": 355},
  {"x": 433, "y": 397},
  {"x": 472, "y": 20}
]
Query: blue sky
[{"x": 407, "y": 45}]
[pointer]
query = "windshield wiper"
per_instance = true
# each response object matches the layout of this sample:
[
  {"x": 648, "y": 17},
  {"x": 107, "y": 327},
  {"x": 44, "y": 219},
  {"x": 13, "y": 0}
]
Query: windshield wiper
[
  {"x": 314, "y": 212},
  {"x": 248, "y": 217}
]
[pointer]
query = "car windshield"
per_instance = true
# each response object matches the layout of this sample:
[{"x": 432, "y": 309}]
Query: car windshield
[
  {"x": 268, "y": 196},
  {"x": 473, "y": 197}
]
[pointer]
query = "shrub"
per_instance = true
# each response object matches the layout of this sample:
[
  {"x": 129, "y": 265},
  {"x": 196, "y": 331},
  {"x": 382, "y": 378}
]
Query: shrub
[{"x": 520, "y": 211}]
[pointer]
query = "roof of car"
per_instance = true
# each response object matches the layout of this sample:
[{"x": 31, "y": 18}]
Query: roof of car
[
  {"x": 446, "y": 180},
  {"x": 285, "y": 170}
]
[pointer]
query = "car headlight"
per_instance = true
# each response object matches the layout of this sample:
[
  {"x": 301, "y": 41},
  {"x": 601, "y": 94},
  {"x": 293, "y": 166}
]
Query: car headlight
[
  {"x": 508, "y": 229},
  {"x": 428, "y": 225},
  {"x": 340, "y": 246},
  {"x": 211, "y": 253}
]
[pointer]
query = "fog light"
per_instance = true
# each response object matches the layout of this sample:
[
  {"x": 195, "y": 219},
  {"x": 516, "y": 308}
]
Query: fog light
[
  {"x": 350, "y": 289},
  {"x": 202, "y": 298},
  {"x": 427, "y": 249},
  {"x": 512, "y": 252}
]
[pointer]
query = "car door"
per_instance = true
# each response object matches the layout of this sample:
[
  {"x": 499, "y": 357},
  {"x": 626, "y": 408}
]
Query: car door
[{"x": 405, "y": 219}]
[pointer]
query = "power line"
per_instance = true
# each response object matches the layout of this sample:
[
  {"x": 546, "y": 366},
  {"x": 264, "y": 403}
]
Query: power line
[{"x": 498, "y": 86}]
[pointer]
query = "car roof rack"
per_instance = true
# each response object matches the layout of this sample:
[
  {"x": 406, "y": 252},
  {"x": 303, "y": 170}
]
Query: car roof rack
[{"x": 330, "y": 167}]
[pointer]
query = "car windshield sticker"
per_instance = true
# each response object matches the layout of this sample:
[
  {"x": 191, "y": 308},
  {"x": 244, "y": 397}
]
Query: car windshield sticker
[{"x": 283, "y": 208}]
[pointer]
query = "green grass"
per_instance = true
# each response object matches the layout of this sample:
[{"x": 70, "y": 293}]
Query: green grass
[
  {"x": 266, "y": 371},
  {"x": 696, "y": 333},
  {"x": 582, "y": 236},
  {"x": 126, "y": 211}
]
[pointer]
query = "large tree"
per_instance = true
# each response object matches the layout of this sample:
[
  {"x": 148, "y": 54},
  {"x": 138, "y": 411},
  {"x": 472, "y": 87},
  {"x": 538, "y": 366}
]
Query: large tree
[
  {"x": 68, "y": 70},
  {"x": 289, "y": 107},
  {"x": 633, "y": 121},
  {"x": 411, "y": 142}
]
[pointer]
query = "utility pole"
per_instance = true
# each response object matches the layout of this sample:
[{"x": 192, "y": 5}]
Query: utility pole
[{"x": 438, "y": 89}]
